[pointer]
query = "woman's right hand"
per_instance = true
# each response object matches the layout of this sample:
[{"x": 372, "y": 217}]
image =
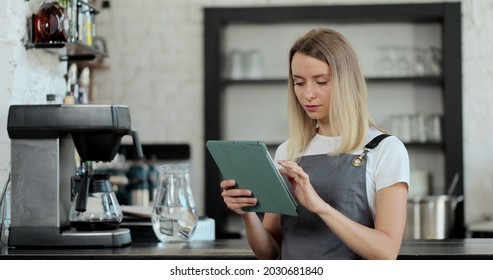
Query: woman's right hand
[{"x": 235, "y": 198}]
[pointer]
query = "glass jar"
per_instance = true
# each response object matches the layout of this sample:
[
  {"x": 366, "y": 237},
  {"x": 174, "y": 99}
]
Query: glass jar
[
  {"x": 174, "y": 216},
  {"x": 50, "y": 23}
]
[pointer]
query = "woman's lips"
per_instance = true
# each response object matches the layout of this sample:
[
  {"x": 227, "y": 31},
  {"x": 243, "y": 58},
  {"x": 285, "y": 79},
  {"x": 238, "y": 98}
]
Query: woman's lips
[{"x": 311, "y": 108}]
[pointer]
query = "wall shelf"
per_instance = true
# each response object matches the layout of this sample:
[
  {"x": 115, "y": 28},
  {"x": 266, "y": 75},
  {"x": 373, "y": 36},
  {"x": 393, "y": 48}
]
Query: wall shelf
[{"x": 72, "y": 49}]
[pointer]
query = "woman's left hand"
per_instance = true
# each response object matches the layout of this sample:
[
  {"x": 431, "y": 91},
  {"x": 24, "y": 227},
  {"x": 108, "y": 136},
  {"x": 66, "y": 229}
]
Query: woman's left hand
[{"x": 303, "y": 189}]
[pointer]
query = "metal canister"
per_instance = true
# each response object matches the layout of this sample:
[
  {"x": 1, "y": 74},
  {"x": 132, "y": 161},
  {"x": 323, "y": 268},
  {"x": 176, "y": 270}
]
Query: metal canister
[{"x": 431, "y": 217}]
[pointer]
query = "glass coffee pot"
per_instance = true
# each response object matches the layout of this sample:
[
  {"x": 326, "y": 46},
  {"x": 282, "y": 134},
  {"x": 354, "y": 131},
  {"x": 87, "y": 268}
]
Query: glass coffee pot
[
  {"x": 174, "y": 215},
  {"x": 95, "y": 205}
]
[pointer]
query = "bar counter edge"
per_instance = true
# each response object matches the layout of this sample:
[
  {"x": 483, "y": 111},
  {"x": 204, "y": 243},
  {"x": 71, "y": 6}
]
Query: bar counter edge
[{"x": 238, "y": 249}]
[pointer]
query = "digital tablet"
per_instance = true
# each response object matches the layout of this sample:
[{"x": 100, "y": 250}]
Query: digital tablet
[{"x": 251, "y": 166}]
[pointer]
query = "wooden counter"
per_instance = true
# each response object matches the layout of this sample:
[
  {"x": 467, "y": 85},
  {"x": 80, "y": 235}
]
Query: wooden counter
[{"x": 473, "y": 248}]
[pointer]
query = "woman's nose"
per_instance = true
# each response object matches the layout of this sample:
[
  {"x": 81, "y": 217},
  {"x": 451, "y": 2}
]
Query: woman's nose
[{"x": 309, "y": 92}]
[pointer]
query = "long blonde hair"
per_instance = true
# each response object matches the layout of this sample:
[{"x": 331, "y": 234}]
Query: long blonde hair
[{"x": 348, "y": 114}]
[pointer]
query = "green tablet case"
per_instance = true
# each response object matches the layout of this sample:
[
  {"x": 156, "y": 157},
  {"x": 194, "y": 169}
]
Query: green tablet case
[{"x": 250, "y": 165}]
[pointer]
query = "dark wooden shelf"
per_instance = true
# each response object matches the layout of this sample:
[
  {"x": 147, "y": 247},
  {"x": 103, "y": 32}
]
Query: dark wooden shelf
[
  {"x": 75, "y": 50},
  {"x": 269, "y": 81},
  {"x": 279, "y": 81},
  {"x": 418, "y": 145},
  {"x": 425, "y": 145},
  {"x": 415, "y": 79},
  {"x": 81, "y": 51}
]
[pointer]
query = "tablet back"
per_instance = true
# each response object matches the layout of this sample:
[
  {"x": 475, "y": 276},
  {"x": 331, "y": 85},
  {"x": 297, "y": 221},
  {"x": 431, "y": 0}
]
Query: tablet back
[{"x": 250, "y": 165}]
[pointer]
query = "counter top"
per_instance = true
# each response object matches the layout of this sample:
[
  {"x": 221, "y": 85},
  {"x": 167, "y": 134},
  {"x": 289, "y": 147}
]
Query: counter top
[
  {"x": 218, "y": 249},
  {"x": 460, "y": 249},
  {"x": 237, "y": 249}
]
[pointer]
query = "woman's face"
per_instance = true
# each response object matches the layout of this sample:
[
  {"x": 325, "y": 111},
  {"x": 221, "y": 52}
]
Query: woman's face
[{"x": 312, "y": 85}]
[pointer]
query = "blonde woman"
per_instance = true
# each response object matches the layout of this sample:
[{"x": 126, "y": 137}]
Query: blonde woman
[{"x": 350, "y": 179}]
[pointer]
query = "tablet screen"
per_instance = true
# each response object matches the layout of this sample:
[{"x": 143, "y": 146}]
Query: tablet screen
[{"x": 251, "y": 166}]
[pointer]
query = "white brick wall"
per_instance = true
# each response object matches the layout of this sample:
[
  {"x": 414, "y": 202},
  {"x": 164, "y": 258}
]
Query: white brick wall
[
  {"x": 155, "y": 66},
  {"x": 477, "y": 55},
  {"x": 26, "y": 76}
]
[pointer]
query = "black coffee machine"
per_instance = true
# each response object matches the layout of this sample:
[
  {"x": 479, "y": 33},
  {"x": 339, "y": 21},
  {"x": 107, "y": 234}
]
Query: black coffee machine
[{"x": 52, "y": 200}]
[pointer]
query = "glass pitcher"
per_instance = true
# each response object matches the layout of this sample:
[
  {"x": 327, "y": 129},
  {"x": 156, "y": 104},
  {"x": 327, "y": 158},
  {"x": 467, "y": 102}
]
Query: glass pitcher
[
  {"x": 174, "y": 215},
  {"x": 95, "y": 206}
]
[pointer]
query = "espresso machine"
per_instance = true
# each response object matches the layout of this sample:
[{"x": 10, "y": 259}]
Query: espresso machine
[{"x": 53, "y": 199}]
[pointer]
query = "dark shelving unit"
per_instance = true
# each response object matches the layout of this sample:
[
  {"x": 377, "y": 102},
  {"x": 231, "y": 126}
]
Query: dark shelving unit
[{"x": 448, "y": 15}]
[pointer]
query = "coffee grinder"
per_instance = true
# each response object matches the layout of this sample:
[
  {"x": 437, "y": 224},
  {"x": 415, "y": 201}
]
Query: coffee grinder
[{"x": 46, "y": 180}]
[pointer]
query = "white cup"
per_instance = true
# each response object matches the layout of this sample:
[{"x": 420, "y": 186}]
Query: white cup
[
  {"x": 253, "y": 64},
  {"x": 235, "y": 65},
  {"x": 434, "y": 128}
]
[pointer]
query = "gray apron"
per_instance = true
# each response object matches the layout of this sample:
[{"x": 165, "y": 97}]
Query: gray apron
[{"x": 340, "y": 183}]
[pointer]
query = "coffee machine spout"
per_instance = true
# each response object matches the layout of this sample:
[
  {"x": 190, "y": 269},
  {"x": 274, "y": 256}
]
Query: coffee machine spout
[
  {"x": 137, "y": 146},
  {"x": 81, "y": 201}
]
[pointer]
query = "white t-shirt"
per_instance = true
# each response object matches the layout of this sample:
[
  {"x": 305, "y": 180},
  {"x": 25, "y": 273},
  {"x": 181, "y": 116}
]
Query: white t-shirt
[{"x": 387, "y": 164}]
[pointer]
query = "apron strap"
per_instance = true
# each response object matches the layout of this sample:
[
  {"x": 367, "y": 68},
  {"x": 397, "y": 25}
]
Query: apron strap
[
  {"x": 375, "y": 141},
  {"x": 359, "y": 160}
]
